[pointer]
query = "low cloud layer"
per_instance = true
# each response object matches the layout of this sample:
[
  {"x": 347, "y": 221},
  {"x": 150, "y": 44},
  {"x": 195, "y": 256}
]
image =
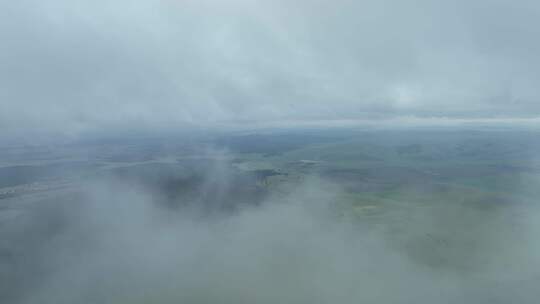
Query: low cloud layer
[
  {"x": 78, "y": 65},
  {"x": 116, "y": 244}
]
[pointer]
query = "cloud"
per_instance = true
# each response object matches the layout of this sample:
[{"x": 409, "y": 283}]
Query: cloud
[
  {"x": 115, "y": 243},
  {"x": 75, "y": 65}
]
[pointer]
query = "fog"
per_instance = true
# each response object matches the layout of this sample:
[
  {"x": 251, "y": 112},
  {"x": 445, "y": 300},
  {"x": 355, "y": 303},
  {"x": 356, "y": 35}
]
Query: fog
[
  {"x": 148, "y": 151},
  {"x": 115, "y": 241}
]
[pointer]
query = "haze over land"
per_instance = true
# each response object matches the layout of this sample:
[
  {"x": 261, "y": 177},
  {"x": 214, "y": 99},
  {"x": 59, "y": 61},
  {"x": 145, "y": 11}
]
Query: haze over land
[{"x": 252, "y": 151}]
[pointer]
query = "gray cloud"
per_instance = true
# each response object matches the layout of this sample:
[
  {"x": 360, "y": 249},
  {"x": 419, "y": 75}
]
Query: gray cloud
[
  {"x": 92, "y": 64},
  {"x": 116, "y": 244}
]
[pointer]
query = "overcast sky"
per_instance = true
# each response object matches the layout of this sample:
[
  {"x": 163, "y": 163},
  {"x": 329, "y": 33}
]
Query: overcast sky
[{"x": 76, "y": 65}]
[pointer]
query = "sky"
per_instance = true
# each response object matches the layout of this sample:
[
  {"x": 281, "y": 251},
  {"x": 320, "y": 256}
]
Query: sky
[{"x": 71, "y": 66}]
